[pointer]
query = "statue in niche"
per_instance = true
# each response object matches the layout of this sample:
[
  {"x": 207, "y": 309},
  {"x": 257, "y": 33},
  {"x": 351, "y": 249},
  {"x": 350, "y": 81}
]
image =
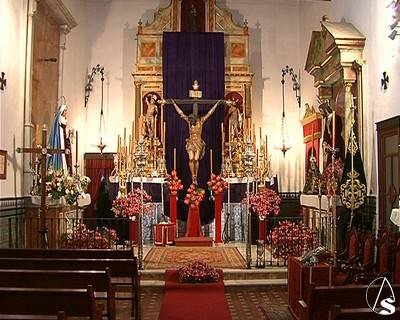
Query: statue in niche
[
  {"x": 151, "y": 114},
  {"x": 193, "y": 18},
  {"x": 313, "y": 178}
]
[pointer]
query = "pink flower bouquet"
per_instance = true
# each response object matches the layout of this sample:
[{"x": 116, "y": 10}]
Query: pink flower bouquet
[
  {"x": 264, "y": 202},
  {"x": 198, "y": 271},
  {"x": 131, "y": 204}
]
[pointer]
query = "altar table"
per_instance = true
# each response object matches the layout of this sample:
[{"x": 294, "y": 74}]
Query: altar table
[{"x": 164, "y": 234}]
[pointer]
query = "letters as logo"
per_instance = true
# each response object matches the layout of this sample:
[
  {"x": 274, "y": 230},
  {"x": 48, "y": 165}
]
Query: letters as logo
[{"x": 381, "y": 302}]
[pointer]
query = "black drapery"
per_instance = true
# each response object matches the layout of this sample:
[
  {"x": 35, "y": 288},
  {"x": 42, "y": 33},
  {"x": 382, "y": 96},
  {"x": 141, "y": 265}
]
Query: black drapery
[{"x": 190, "y": 56}]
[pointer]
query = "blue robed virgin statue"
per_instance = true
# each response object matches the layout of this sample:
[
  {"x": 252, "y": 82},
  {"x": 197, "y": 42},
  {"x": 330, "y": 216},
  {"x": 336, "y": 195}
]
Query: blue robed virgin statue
[{"x": 60, "y": 139}]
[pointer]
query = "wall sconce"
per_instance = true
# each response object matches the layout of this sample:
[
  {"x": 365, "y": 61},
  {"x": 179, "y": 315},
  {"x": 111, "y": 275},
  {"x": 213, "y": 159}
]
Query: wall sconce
[
  {"x": 48, "y": 59},
  {"x": 285, "y": 144},
  {"x": 89, "y": 85},
  {"x": 394, "y": 14}
]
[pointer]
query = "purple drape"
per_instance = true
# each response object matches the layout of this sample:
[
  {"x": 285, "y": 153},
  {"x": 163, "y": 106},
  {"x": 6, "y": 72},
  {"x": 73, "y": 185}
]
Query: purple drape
[{"x": 190, "y": 56}]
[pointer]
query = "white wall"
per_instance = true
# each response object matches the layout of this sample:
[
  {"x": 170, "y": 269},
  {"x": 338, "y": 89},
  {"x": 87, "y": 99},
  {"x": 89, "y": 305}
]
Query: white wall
[
  {"x": 280, "y": 32},
  {"x": 12, "y": 63}
]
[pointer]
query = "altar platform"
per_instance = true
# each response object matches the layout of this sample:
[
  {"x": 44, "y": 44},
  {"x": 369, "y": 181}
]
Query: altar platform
[{"x": 233, "y": 276}]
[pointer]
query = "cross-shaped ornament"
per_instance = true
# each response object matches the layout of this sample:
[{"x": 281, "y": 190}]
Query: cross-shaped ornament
[
  {"x": 43, "y": 151},
  {"x": 3, "y": 81}
]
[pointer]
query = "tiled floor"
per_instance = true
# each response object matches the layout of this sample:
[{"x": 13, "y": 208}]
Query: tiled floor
[{"x": 245, "y": 301}]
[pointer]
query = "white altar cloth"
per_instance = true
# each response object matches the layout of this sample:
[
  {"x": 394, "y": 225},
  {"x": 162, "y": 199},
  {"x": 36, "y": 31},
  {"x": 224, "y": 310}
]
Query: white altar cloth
[
  {"x": 395, "y": 216},
  {"x": 312, "y": 201}
]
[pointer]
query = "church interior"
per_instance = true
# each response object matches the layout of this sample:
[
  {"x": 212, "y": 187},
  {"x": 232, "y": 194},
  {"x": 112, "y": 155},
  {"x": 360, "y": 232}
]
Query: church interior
[{"x": 199, "y": 159}]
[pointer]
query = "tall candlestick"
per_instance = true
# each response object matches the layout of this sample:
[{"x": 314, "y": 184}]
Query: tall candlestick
[
  {"x": 162, "y": 122},
  {"x": 222, "y": 136},
  {"x": 266, "y": 147},
  {"x": 76, "y": 150},
  {"x": 211, "y": 162},
  {"x": 163, "y": 137},
  {"x": 140, "y": 128},
  {"x": 174, "y": 158},
  {"x": 125, "y": 136},
  {"x": 133, "y": 130},
  {"x": 333, "y": 129},
  {"x": 118, "y": 145},
  {"x": 37, "y": 134},
  {"x": 260, "y": 136}
]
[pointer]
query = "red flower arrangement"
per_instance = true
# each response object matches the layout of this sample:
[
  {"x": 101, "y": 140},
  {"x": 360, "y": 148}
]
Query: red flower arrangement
[
  {"x": 131, "y": 204},
  {"x": 84, "y": 238},
  {"x": 329, "y": 179},
  {"x": 173, "y": 182},
  {"x": 198, "y": 271},
  {"x": 217, "y": 184},
  {"x": 194, "y": 195},
  {"x": 288, "y": 239},
  {"x": 264, "y": 202}
]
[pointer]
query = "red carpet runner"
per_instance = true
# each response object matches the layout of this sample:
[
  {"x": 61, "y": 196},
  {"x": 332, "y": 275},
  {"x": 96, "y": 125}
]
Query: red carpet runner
[{"x": 189, "y": 301}]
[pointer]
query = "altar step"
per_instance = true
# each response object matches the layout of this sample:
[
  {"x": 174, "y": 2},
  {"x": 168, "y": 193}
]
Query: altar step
[{"x": 232, "y": 277}]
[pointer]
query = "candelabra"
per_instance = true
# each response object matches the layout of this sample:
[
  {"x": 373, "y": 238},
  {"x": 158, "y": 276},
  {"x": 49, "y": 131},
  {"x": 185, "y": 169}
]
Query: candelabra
[
  {"x": 248, "y": 169},
  {"x": 140, "y": 157}
]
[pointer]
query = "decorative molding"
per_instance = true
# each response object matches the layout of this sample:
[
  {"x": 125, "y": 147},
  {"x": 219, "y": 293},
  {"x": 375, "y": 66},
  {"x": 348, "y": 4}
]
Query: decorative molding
[{"x": 59, "y": 12}]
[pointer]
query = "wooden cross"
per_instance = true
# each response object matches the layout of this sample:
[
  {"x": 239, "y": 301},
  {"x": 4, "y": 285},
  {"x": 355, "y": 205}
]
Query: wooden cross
[
  {"x": 195, "y": 96},
  {"x": 44, "y": 151}
]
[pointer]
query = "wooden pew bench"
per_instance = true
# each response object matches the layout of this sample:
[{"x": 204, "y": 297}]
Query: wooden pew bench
[
  {"x": 124, "y": 272},
  {"x": 44, "y": 301},
  {"x": 320, "y": 300},
  {"x": 67, "y": 253},
  {"x": 61, "y": 315},
  {"x": 338, "y": 313},
  {"x": 74, "y": 279}
]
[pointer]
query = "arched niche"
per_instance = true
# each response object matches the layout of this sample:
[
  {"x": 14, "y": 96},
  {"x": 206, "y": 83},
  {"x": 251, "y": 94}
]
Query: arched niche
[{"x": 334, "y": 60}]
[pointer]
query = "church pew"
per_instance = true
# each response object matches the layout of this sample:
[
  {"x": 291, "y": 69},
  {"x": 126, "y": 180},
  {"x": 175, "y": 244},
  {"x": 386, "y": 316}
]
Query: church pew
[
  {"x": 119, "y": 269},
  {"x": 74, "y": 279},
  {"x": 45, "y": 301},
  {"x": 67, "y": 253},
  {"x": 61, "y": 315},
  {"x": 338, "y": 313},
  {"x": 319, "y": 300}
]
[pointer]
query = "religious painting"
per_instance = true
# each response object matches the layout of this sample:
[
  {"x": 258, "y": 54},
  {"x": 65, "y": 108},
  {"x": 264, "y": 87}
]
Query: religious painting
[
  {"x": 193, "y": 16},
  {"x": 152, "y": 115},
  {"x": 3, "y": 164},
  {"x": 148, "y": 49},
  {"x": 238, "y": 50}
]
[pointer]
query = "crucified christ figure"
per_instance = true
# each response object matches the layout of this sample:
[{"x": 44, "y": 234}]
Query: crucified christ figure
[{"x": 195, "y": 146}]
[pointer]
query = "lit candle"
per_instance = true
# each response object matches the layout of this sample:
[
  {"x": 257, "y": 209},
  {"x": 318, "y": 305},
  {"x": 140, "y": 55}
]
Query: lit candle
[
  {"x": 211, "y": 161},
  {"x": 174, "y": 158},
  {"x": 76, "y": 150},
  {"x": 333, "y": 129}
]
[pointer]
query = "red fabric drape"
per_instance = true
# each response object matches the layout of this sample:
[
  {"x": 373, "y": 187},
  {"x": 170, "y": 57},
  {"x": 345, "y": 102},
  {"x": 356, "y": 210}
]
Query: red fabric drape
[{"x": 95, "y": 168}]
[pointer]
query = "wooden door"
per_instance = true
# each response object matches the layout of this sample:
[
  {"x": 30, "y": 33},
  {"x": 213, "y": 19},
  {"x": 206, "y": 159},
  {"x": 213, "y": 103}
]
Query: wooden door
[{"x": 388, "y": 169}]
